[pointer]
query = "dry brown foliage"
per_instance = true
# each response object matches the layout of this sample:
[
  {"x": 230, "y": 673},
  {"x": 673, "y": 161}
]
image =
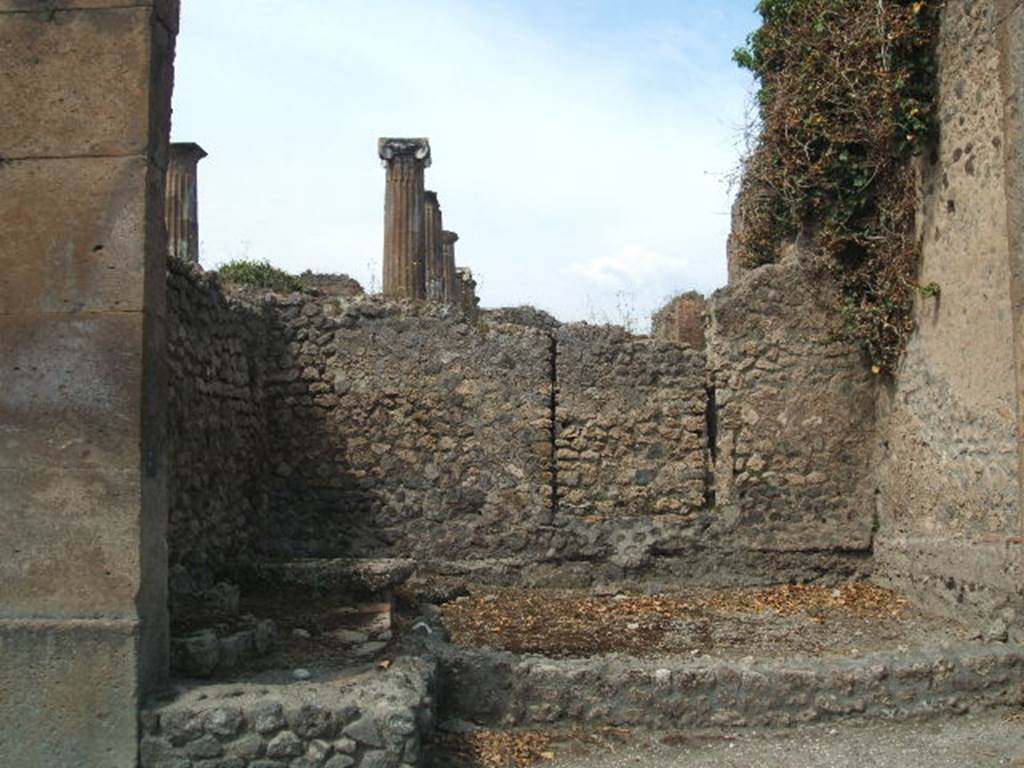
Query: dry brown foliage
[{"x": 846, "y": 100}]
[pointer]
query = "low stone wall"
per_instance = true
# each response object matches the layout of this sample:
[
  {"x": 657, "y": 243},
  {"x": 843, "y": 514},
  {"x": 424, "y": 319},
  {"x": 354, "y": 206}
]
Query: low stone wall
[
  {"x": 795, "y": 415},
  {"x": 217, "y": 426},
  {"x": 372, "y": 721},
  {"x": 631, "y": 423}
]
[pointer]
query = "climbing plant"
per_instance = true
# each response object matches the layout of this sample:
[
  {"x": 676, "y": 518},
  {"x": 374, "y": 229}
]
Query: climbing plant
[{"x": 846, "y": 99}]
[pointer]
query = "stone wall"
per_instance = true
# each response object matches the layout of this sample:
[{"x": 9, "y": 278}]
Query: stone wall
[
  {"x": 513, "y": 449},
  {"x": 217, "y": 425},
  {"x": 631, "y": 423},
  {"x": 366, "y": 721},
  {"x": 948, "y": 498},
  {"x": 681, "y": 320},
  {"x": 331, "y": 284},
  {"x": 533, "y": 453},
  {"x": 400, "y": 429},
  {"x": 794, "y": 411}
]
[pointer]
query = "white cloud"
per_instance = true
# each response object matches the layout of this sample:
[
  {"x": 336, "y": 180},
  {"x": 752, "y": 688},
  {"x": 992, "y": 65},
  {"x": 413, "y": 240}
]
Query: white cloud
[
  {"x": 546, "y": 149},
  {"x": 631, "y": 264}
]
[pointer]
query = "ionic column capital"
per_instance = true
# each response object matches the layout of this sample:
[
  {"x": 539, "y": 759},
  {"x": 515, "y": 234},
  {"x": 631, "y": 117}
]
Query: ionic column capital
[{"x": 391, "y": 149}]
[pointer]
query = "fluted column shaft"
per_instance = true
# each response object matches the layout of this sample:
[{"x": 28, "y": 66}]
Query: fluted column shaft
[
  {"x": 472, "y": 300},
  {"x": 433, "y": 247},
  {"x": 181, "y": 201},
  {"x": 404, "y": 235},
  {"x": 451, "y": 288}
]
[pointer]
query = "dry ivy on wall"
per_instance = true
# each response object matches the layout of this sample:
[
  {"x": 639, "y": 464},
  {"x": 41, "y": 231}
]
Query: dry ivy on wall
[{"x": 847, "y": 90}]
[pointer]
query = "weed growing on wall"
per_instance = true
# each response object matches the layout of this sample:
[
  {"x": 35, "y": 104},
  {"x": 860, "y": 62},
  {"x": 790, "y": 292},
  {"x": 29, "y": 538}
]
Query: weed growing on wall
[
  {"x": 258, "y": 274},
  {"x": 846, "y": 98}
]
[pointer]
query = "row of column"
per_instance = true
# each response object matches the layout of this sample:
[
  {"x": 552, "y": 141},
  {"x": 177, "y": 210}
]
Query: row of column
[{"x": 419, "y": 254}]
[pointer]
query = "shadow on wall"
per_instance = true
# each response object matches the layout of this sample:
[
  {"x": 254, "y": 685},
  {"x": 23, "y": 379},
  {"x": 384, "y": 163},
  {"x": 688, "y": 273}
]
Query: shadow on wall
[{"x": 400, "y": 429}]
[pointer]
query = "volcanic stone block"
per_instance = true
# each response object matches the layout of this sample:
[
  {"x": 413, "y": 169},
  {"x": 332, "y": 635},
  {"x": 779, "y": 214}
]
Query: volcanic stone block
[{"x": 630, "y": 422}]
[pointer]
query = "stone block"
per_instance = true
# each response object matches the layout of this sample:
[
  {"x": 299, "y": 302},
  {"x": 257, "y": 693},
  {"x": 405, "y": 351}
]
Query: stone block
[
  {"x": 73, "y": 231},
  {"x": 69, "y": 694},
  {"x": 71, "y": 542},
  {"x": 101, "y": 88},
  {"x": 168, "y": 11},
  {"x": 83, "y": 479},
  {"x": 71, "y": 391}
]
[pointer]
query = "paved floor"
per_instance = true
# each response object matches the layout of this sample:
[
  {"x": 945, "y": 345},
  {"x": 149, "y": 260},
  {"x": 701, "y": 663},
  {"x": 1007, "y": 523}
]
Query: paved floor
[{"x": 969, "y": 742}]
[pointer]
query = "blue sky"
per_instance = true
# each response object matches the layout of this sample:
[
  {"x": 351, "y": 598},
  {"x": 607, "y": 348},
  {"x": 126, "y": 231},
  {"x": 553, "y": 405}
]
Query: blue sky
[{"x": 580, "y": 146}]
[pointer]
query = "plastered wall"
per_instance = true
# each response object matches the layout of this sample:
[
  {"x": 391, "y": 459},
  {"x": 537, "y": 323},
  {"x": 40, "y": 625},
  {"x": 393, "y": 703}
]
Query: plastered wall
[{"x": 948, "y": 462}]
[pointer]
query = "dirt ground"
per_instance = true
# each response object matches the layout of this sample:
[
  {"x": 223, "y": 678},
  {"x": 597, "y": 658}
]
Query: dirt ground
[
  {"x": 968, "y": 742},
  {"x": 852, "y": 619}
]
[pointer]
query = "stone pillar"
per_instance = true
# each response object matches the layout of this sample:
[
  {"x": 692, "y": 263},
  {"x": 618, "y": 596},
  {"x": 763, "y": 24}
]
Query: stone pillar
[
  {"x": 1011, "y": 65},
  {"x": 84, "y": 127},
  {"x": 405, "y": 274},
  {"x": 181, "y": 201},
  {"x": 433, "y": 246},
  {"x": 467, "y": 298},
  {"x": 451, "y": 288},
  {"x": 461, "y": 287}
]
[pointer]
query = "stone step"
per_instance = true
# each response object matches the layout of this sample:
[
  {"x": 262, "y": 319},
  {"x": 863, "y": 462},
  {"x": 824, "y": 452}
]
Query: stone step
[
  {"x": 361, "y": 577},
  {"x": 503, "y": 689}
]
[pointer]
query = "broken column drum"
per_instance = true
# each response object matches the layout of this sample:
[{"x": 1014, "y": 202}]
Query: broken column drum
[
  {"x": 404, "y": 241},
  {"x": 181, "y": 201},
  {"x": 433, "y": 247},
  {"x": 451, "y": 287}
]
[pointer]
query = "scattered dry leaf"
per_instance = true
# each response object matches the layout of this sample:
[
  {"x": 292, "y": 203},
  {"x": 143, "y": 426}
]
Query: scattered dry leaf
[
  {"x": 501, "y": 749},
  {"x": 572, "y": 623}
]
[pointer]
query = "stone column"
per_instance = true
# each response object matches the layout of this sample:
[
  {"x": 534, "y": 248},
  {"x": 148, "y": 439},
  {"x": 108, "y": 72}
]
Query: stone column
[
  {"x": 451, "y": 288},
  {"x": 433, "y": 246},
  {"x": 181, "y": 201},
  {"x": 467, "y": 298},
  {"x": 472, "y": 300},
  {"x": 83, "y": 513},
  {"x": 405, "y": 274},
  {"x": 461, "y": 286}
]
